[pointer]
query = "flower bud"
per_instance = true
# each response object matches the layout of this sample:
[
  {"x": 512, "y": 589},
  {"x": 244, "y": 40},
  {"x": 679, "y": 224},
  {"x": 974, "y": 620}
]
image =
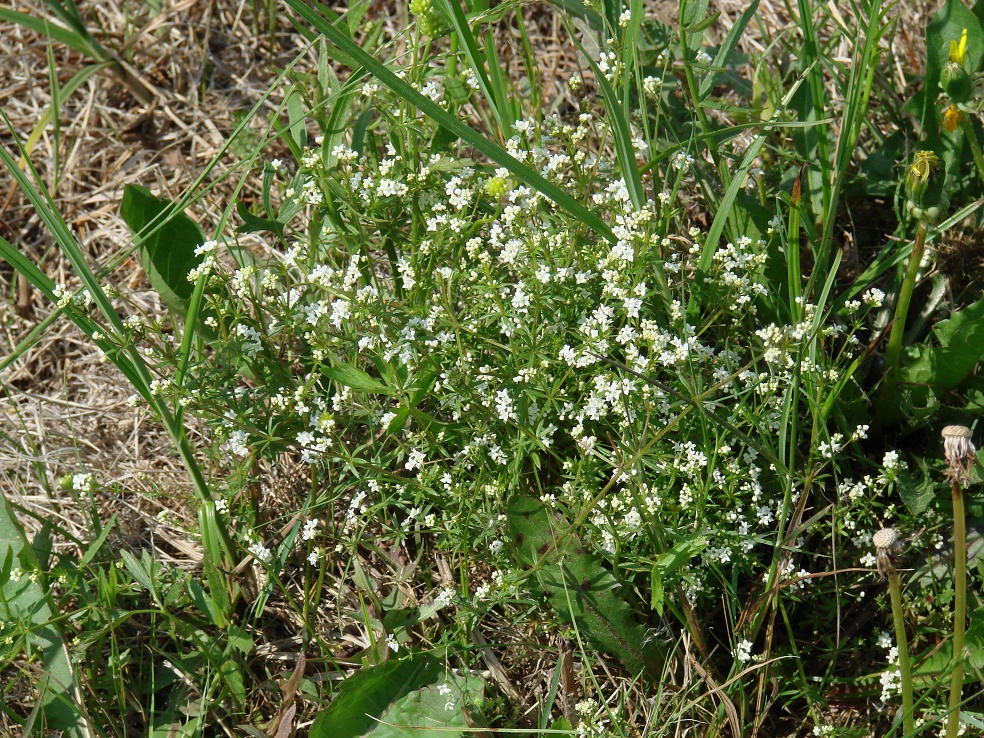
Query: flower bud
[
  {"x": 924, "y": 180},
  {"x": 956, "y": 82}
]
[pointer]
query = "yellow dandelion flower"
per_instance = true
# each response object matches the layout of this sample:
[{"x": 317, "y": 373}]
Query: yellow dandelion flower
[
  {"x": 952, "y": 118},
  {"x": 957, "y": 50}
]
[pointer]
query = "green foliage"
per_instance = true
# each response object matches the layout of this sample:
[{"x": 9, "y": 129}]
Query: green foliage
[
  {"x": 611, "y": 360},
  {"x": 947, "y": 25},
  {"x": 937, "y": 369},
  {"x": 167, "y": 241},
  {"x": 27, "y": 627},
  {"x": 580, "y": 590},
  {"x": 367, "y": 695}
]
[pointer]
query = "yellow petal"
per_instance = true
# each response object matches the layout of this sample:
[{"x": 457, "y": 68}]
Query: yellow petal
[{"x": 957, "y": 51}]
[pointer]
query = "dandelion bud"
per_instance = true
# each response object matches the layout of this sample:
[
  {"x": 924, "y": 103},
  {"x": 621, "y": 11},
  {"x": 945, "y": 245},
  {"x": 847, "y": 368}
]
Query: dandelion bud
[
  {"x": 954, "y": 78},
  {"x": 959, "y": 451},
  {"x": 924, "y": 180},
  {"x": 887, "y": 545},
  {"x": 956, "y": 82}
]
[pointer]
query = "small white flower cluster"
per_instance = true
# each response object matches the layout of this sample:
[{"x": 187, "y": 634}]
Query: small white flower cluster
[
  {"x": 743, "y": 651},
  {"x": 453, "y": 329},
  {"x": 891, "y": 677}
]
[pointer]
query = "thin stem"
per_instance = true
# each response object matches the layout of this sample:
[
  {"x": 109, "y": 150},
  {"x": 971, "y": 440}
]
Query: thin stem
[
  {"x": 894, "y": 351},
  {"x": 959, "y": 609},
  {"x": 895, "y": 589}
]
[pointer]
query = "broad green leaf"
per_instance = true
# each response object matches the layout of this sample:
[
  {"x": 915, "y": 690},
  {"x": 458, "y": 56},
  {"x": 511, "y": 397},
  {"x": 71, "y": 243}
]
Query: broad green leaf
[
  {"x": 352, "y": 376},
  {"x": 916, "y": 491},
  {"x": 937, "y": 662},
  {"x": 961, "y": 347},
  {"x": 367, "y": 694},
  {"x": 168, "y": 247},
  {"x": 954, "y": 330},
  {"x": 25, "y": 605},
  {"x": 579, "y": 587},
  {"x": 440, "y": 709}
]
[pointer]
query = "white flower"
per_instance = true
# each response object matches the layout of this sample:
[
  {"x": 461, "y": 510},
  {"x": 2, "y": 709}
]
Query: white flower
[
  {"x": 83, "y": 482},
  {"x": 206, "y": 248},
  {"x": 743, "y": 651},
  {"x": 310, "y": 530},
  {"x": 873, "y": 298},
  {"x": 392, "y": 643},
  {"x": 444, "y": 598},
  {"x": 415, "y": 460},
  {"x": 261, "y": 552}
]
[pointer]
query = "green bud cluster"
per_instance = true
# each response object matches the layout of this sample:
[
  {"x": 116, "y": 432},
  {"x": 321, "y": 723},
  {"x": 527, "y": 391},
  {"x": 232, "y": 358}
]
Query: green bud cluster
[{"x": 429, "y": 19}]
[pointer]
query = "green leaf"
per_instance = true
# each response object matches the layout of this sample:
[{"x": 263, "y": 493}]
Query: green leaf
[
  {"x": 961, "y": 347},
  {"x": 916, "y": 492},
  {"x": 439, "y": 710},
  {"x": 579, "y": 587},
  {"x": 726, "y": 49},
  {"x": 25, "y": 605},
  {"x": 938, "y": 661},
  {"x": 693, "y": 13},
  {"x": 351, "y": 376},
  {"x": 168, "y": 247},
  {"x": 680, "y": 555},
  {"x": 142, "y": 570},
  {"x": 45, "y": 27},
  {"x": 253, "y": 223},
  {"x": 366, "y": 695}
]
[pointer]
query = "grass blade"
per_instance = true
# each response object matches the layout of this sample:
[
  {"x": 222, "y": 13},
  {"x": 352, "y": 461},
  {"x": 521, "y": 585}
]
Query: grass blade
[{"x": 469, "y": 135}]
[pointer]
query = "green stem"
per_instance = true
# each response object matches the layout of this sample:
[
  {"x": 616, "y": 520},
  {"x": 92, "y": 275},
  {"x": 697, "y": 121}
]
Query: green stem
[
  {"x": 959, "y": 609},
  {"x": 975, "y": 148},
  {"x": 886, "y": 395},
  {"x": 895, "y": 589}
]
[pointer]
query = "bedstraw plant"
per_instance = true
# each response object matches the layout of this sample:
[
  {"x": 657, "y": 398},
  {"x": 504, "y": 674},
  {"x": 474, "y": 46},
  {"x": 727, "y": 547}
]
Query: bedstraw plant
[{"x": 472, "y": 367}]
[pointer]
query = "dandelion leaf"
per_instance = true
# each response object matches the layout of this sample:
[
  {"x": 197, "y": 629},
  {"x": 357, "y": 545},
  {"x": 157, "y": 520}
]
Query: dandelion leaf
[
  {"x": 441, "y": 709},
  {"x": 579, "y": 587},
  {"x": 366, "y": 695}
]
